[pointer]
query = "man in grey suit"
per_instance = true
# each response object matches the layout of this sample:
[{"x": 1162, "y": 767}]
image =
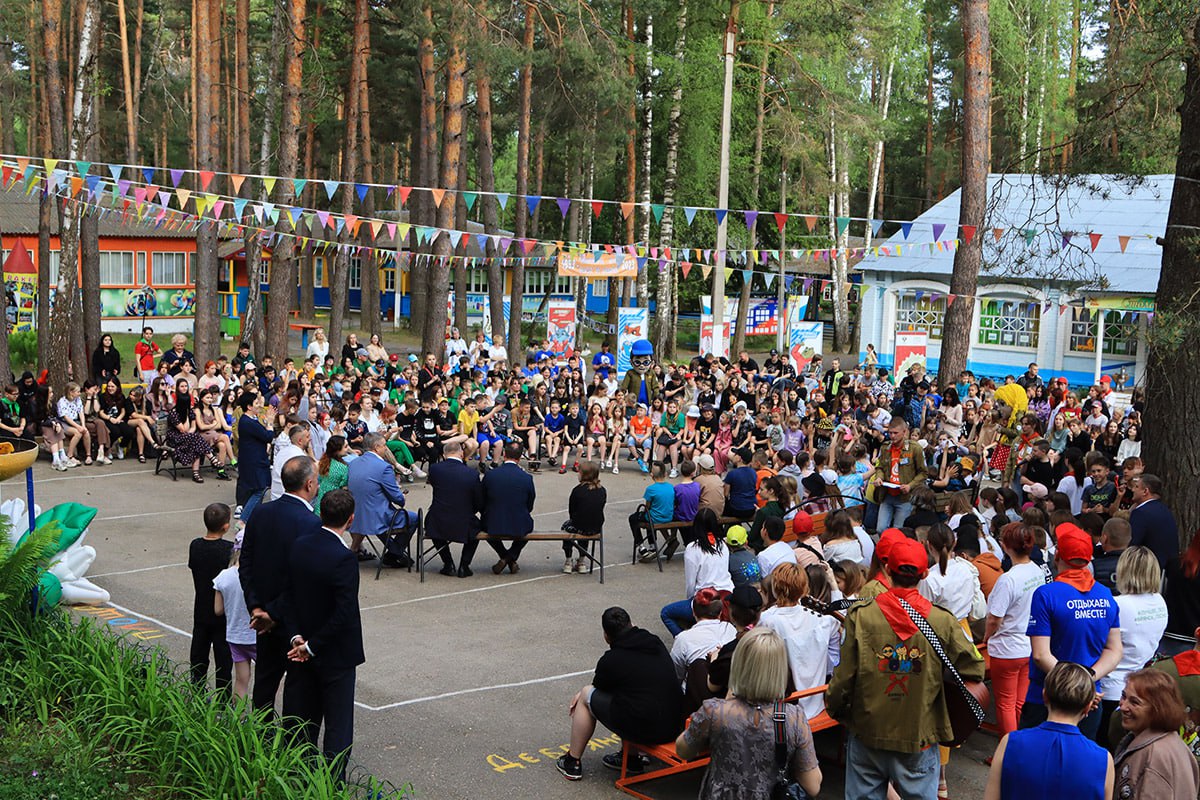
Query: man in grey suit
[
  {"x": 372, "y": 481},
  {"x": 508, "y": 497}
]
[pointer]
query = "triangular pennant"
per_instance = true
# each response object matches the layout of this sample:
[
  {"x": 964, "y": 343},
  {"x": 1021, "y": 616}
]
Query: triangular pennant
[
  {"x": 502, "y": 198},
  {"x": 564, "y": 205},
  {"x": 148, "y": 174},
  {"x": 51, "y": 165},
  {"x": 1066, "y": 240},
  {"x": 76, "y": 184},
  {"x": 876, "y": 224},
  {"x": 768, "y": 278},
  {"x": 176, "y": 177},
  {"x": 236, "y": 181},
  {"x": 298, "y": 185},
  {"x": 362, "y": 189},
  {"x": 404, "y": 191},
  {"x": 905, "y": 229},
  {"x": 482, "y": 239},
  {"x": 1095, "y": 239},
  {"x": 206, "y": 177},
  {"x": 938, "y": 229},
  {"x": 626, "y": 209},
  {"x": 950, "y": 298},
  {"x": 323, "y": 218},
  {"x": 1062, "y": 309},
  {"x": 720, "y": 214},
  {"x": 269, "y": 184},
  {"x": 968, "y": 233},
  {"x": 706, "y": 270},
  {"x": 438, "y": 196},
  {"x": 1124, "y": 240},
  {"x": 810, "y": 221},
  {"x": 597, "y": 207},
  {"x": 747, "y": 276},
  {"x": 751, "y": 219},
  {"x": 689, "y": 214},
  {"x": 842, "y": 223},
  {"x": 469, "y": 200},
  {"x": 83, "y": 167},
  {"x": 532, "y": 202},
  {"x": 331, "y": 188},
  {"x": 183, "y": 195},
  {"x": 1029, "y": 233},
  {"x": 997, "y": 233},
  {"x": 780, "y": 220},
  {"x": 115, "y": 171},
  {"x": 239, "y": 205},
  {"x": 657, "y": 210}
]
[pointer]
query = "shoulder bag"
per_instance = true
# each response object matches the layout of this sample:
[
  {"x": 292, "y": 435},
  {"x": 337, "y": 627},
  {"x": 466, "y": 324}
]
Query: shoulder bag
[
  {"x": 785, "y": 788},
  {"x": 964, "y": 701}
]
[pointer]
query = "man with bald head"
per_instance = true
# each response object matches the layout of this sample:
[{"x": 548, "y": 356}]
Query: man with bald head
[
  {"x": 262, "y": 570},
  {"x": 454, "y": 513}
]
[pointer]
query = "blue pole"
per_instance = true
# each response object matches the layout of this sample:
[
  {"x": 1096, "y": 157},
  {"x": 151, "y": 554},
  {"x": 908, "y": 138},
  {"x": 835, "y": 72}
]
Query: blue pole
[{"x": 29, "y": 496}]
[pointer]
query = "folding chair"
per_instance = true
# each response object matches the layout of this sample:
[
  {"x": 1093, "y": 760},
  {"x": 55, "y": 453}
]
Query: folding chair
[
  {"x": 165, "y": 452},
  {"x": 395, "y": 539}
]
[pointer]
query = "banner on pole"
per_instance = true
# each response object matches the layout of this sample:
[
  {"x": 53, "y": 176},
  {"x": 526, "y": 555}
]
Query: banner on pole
[
  {"x": 632, "y": 325},
  {"x": 597, "y": 265},
  {"x": 910, "y": 350},
  {"x": 762, "y": 318},
  {"x": 560, "y": 328},
  {"x": 804, "y": 336}
]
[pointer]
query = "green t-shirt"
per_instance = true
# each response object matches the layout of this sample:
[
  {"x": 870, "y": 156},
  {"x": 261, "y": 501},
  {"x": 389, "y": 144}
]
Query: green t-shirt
[{"x": 674, "y": 424}]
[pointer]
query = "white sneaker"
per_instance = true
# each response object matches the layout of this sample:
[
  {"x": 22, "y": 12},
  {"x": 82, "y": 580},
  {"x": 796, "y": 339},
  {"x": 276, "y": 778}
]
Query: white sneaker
[
  {"x": 61, "y": 466},
  {"x": 120, "y": 453},
  {"x": 72, "y": 463},
  {"x": 581, "y": 565},
  {"x": 568, "y": 567},
  {"x": 674, "y": 472},
  {"x": 418, "y": 472},
  {"x": 616, "y": 469}
]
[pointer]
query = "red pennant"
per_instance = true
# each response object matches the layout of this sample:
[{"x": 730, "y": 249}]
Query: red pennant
[
  {"x": 968, "y": 233},
  {"x": 1061, "y": 310},
  {"x": 404, "y": 191},
  {"x": 685, "y": 267},
  {"x": 1095, "y": 237},
  {"x": 997, "y": 232},
  {"x": 950, "y": 300},
  {"x": 781, "y": 220},
  {"x": 1124, "y": 240},
  {"x": 5, "y": 174},
  {"x": 597, "y": 207},
  {"x": 206, "y": 178}
]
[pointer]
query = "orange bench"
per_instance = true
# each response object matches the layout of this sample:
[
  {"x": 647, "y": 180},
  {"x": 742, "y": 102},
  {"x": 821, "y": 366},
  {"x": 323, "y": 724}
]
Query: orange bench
[{"x": 675, "y": 764}]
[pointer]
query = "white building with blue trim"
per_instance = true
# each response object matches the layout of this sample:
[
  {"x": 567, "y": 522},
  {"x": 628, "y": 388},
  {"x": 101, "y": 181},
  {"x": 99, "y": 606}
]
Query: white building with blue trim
[{"x": 1061, "y": 254}]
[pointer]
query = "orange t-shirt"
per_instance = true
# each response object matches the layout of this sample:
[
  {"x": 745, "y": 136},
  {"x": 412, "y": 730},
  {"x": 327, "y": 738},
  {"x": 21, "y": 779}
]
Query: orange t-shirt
[
  {"x": 640, "y": 426},
  {"x": 763, "y": 474}
]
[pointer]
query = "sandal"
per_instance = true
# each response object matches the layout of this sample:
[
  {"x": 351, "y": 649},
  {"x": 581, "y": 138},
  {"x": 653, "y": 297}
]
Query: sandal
[
  {"x": 222, "y": 475},
  {"x": 141, "y": 458},
  {"x": 88, "y": 462},
  {"x": 196, "y": 477}
]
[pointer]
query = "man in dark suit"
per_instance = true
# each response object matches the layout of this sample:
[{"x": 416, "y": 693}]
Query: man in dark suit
[
  {"x": 508, "y": 496},
  {"x": 266, "y": 547},
  {"x": 454, "y": 513},
  {"x": 325, "y": 632},
  {"x": 254, "y": 466},
  {"x": 1152, "y": 522}
]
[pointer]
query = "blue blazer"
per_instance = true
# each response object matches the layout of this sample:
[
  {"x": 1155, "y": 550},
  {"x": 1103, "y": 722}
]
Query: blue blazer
[
  {"x": 457, "y": 501},
  {"x": 372, "y": 481},
  {"x": 322, "y": 600},
  {"x": 254, "y": 465},
  {"x": 266, "y": 546},
  {"x": 1153, "y": 526},
  {"x": 508, "y": 496}
]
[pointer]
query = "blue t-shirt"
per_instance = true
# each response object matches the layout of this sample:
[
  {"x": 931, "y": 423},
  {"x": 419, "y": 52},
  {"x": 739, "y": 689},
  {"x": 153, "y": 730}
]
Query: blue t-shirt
[
  {"x": 602, "y": 362},
  {"x": 1077, "y": 623},
  {"x": 687, "y": 501},
  {"x": 555, "y": 422},
  {"x": 851, "y": 487},
  {"x": 1052, "y": 760},
  {"x": 660, "y": 502},
  {"x": 743, "y": 488}
]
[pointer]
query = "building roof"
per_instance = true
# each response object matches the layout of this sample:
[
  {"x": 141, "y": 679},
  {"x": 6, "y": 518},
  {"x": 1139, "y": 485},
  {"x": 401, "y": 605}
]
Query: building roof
[
  {"x": 1062, "y": 211},
  {"x": 19, "y": 216}
]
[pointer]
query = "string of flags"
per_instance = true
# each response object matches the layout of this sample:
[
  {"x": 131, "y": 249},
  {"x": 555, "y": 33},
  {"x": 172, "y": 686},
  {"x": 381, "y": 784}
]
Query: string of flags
[{"x": 125, "y": 179}]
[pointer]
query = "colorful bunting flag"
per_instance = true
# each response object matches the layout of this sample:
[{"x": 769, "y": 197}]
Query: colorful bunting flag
[
  {"x": 938, "y": 229},
  {"x": 657, "y": 210},
  {"x": 1095, "y": 240},
  {"x": 564, "y": 205},
  {"x": 906, "y": 229},
  {"x": 968, "y": 233}
]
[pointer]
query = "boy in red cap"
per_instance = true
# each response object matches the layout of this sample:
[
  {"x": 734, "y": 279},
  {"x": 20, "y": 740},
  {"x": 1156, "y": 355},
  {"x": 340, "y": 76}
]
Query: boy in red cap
[
  {"x": 887, "y": 689},
  {"x": 1075, "y": 619}
]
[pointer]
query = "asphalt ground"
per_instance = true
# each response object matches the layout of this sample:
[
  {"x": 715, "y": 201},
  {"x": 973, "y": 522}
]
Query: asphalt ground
[{"x": 465, "y": 689}]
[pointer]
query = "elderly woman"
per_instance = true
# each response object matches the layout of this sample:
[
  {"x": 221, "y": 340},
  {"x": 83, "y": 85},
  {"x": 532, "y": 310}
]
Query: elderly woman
[
  {"x": 739, "y": 732},
  {"x": 1152, "y": 762},
  {"x": 182, "y": 435},
  {"x": 178, "y": 355}
]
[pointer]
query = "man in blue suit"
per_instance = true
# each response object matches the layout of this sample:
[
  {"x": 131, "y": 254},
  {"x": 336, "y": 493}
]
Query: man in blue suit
[
  {"x": 325, "y": 632},
  {"x": 454, "y": 513},
  {"x": 372, "y": 481},
  {"x": 508, "y": 496},
  {"x": 1151, "y": 520},
  {"x": 270, "y": 534},
  {"x": 254, "y": 468}
]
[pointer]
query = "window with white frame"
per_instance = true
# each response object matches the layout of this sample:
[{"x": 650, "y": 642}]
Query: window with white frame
[
  {"x": 1120, "y": 332},
  {"x": 600, "y": 288},
  {"x": 355, "y": 273},
  {"x": 1009, "y": 322},
  {"x": 389, "y": 279},
  {"x": 538, "y": 281},
  {"x": 318, "y": 266},
  {"x": 827, "y": 293},
  {"x": 116, "y": 269},
  {"x": 54, "y": 257},
  {"x": 923, "y": 313},
  {"x": 141, "y": 269},
  {"x": 168, "y": 269},
  {"x": 477, "y": 280}
]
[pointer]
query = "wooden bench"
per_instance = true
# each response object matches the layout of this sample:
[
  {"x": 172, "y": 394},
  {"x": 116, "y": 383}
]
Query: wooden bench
[
  {"x": 593, "y": 551},
  {"x": 675, "y": 764}
]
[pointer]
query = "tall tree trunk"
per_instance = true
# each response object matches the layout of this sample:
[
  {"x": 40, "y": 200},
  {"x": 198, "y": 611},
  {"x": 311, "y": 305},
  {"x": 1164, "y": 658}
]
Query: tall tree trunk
[
  {"x": 977, "y": 70},
  {"x": 254, "y": 329},
  {"x": 89, "y": 258},
  {"x": 630, "y": 142},
  {"x": 127, "y": 84},
  {"x": 1072, "y": 79},
  {"x": 664, "y": 344},
  {"x": 460, "y": 224},
  {"x": 427, "y": 173},
  {"x": 308, "y": 257},
  {"x": 283, "y": 262},
  {"x": 1171, "y": 371},
  {"x": 434, "y": 336},
  {"x": 139, "y": 15},
  {"x": 738, "y": 337},
  {"x": 524, "y": 111},
  {"x": 1041, "y": 107},
  {"x": 589, "y": 183},
  {"x": 841, "y": 265},
  {"x": 647, "y": 135},
  {"x": 45, "y": 221},
  {"x": 875, "y": 168},
  {"x": 74, "y": 146},
  {"x": 487, "y": 185},
  {"x": 339, "y": 276},
  {"x": 207, "y": 326},
  {"x": 928, "y": 108},
  {"x": 369, "y": 317}
]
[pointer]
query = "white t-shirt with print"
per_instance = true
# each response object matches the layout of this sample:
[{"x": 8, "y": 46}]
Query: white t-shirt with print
[
  {"x": 1010, "y": 600},
  {"x": 1143, "y": 620}
]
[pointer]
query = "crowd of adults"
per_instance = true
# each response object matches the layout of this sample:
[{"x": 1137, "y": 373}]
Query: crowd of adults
[{"x": 1010, "y": 518}]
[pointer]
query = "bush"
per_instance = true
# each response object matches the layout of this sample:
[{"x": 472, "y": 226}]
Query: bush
[{"x": 23, "y": 350}]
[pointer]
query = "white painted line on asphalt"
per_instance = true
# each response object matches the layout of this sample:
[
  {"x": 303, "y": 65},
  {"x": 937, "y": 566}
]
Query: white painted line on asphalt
[
  {"x": 131, "y": 571},
  {"x": 609, "y": 503},
  {"x": 147, "y": 617},
  {"x": 476, "y": 690},
  {"x": 152, "y": 514},
  {"x": 96, "y": 475}
]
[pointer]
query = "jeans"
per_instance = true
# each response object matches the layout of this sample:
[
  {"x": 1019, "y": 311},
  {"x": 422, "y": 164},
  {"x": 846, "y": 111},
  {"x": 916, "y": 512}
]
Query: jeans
[
  {"x": 869, "y": 771},
  {"x": 892, "y": 512},
  {"x": 1010, "y": 683},
  {"x": 1034, "y": 714},
  {"x": 252, "y": 502},
  {"x": 678, "y": 616}
]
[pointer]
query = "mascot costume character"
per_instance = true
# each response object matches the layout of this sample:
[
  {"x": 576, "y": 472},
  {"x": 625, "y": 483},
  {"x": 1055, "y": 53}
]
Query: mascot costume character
[{"x": 640, "y": 384}]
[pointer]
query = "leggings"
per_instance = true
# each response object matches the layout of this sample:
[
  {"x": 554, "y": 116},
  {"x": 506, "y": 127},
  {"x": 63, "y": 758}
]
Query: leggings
[{"x": 1010, "y": 682}]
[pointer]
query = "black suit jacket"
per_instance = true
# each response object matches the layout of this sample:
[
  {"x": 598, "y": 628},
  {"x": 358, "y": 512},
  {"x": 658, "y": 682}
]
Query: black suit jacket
[
  {"x": 508, "y": 496},
  {"x": 457, "y": 500},
  {"x": 266, "y": 546},
  {"x": 1154, "y": 526},
  {"x": 321, "y": 602}
]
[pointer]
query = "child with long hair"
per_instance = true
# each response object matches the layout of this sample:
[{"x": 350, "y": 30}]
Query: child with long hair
[
  {"x": 585, "y": 515},
  {"x": 597, "y": 430}
]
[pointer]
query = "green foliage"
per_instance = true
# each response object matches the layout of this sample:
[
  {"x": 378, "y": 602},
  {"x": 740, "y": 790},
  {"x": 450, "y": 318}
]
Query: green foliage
[{"x": 22, "y": 349}]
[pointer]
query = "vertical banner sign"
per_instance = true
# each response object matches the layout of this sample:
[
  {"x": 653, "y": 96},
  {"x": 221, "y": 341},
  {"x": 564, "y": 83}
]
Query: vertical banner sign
[
  {"x": 631, "y": 326},
  {"x": 560, "y": 328},
  {"x": 20, "y": 289},
  {"x": 449, "y": 313},
  {"x": 719, "y": 345},
  {"x": 804, "y": 336},
  {"x": 910, "y": 349}
]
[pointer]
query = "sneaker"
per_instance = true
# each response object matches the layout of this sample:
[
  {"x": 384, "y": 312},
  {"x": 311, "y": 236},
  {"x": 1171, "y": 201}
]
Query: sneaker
[
  {"x": 562, "y": 469},
  {"x": 581, "y": 565},
  {"x": 636, "y": 766},
  {"x": 670, "y": 548},
  {"x": 418, "y": 472},
  {"x": 571, "y": 768},
  {"x": 674, "y": 473},
  {"x": 61, "y": 466},
  {"x": 646, "y": 554},
  {"x": 568, "y": 567},
  {"x": 120, "y": 453},
  {"x": 616, "y": 469},
  {"x": 72, "y": 463},
  {"x": 576, "y": 467},
  {"x": 642, "y": 465},
  {"x": 104, "y": 460}
]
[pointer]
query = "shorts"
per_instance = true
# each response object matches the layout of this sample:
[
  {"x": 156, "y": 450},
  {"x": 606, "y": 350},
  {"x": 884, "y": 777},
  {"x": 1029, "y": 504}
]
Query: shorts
[
  {"x": 488, "y": 438},
  {"x": 600, "y": 702},
  {"x": 243, "y": 652}
]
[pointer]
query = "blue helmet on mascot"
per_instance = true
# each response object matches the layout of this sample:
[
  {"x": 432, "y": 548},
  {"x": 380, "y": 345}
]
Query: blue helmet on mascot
[{"x": 641, "y": 356}]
